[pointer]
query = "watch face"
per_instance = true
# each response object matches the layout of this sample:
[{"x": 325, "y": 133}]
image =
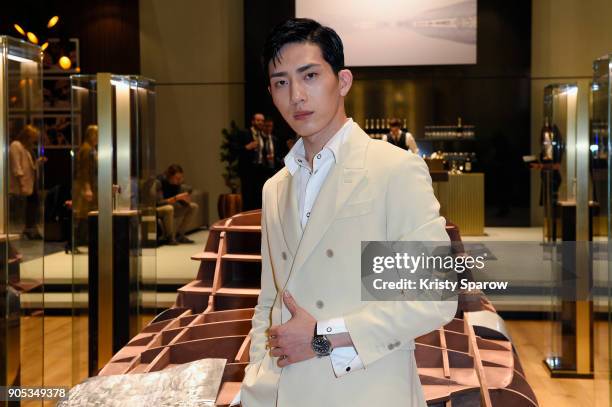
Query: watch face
[{"x": 321, "y": 345}]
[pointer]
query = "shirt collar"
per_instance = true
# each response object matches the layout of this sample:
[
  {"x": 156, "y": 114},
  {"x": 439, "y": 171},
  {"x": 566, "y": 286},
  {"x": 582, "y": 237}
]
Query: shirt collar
[{"x": 297, "y": 153}]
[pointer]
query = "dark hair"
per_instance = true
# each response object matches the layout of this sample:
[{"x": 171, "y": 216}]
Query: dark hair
[
  {"x": 395, "y": 123},
  {"x": 173, "y": 169},
  {"x": 303, "y": 30}
]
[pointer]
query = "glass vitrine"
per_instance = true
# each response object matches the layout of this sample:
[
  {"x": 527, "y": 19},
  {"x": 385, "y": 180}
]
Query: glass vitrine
[
  {"x": 21, "y": 208},
  {"x": 600, "y": 126},
  {"x": 114, "y": 218},
  {"x": 558, "y": 154}
]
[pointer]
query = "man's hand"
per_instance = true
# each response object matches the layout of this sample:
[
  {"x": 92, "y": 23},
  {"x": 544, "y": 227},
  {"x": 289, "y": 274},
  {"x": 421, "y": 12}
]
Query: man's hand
[
  {"x": 291, "y": 341},
  {"x": 184, "y": 196},
  {"x": 252, "y": 145}
]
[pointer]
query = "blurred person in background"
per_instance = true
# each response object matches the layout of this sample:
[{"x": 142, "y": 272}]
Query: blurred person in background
[
  {"x": 174, "y": 204},
  {"x": 85, "y": 187},
  {"x": 402, "y": 139},
  {"x": 23, "y": 172},
  {"x": 247, "y": 146}
]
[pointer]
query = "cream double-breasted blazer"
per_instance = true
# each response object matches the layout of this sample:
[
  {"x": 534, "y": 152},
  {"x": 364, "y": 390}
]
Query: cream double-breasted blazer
[{"x": 375, "y": 191}]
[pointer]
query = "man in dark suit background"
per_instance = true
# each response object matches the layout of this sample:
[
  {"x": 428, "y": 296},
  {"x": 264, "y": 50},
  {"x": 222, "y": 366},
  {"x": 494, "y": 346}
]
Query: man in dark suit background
[
  {"x": 247, "y": 146},
  {"x": 275, "y": 153}
]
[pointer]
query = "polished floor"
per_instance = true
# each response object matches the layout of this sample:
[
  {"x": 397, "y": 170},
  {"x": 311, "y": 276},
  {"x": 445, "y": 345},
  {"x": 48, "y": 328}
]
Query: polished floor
[
  {"x": 166, "y": 266},
  {"x": 64, "y": 347},
  {"x": 533, "y": 341}
]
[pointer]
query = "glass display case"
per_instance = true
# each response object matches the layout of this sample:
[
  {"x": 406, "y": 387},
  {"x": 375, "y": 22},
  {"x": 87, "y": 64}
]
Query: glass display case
[
  {"x": 600, "y": 126},
  {"x": 21, "y": 256},
  {"x": 114, "y": 215},
  {"x": 558, "y": 154},
  {"x": 561, "y": 167}
]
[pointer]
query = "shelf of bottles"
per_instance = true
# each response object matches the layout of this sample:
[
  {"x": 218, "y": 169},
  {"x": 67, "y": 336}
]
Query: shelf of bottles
[
  {"x": 457, "y": 131},
  {"x": 379, "y": 128},
  {"x": 456, "y": 162}
]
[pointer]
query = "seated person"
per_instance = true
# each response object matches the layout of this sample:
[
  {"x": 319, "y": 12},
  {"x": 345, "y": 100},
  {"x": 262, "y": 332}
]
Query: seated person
[{"x": 174, "y": 204}]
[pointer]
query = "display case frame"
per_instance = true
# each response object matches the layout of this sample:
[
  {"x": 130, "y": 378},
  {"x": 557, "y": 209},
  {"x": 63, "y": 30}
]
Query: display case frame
[{"x": 114, "y": 197}]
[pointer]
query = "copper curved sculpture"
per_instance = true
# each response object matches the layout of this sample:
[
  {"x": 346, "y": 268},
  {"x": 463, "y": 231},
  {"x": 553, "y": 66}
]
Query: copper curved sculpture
[{"x": 461, "y": 364}]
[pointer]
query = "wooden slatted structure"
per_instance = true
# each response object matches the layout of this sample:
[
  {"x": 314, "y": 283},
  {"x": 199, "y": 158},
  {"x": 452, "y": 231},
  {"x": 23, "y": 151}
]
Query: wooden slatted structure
[{"x": 212, "y": 314}]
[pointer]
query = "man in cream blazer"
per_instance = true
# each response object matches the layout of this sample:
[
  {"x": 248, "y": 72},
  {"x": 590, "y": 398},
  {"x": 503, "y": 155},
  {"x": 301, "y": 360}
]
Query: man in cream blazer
[{"x": 338, "y": 188}]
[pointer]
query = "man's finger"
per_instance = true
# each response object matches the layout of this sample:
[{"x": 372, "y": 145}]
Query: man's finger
[
  {"x": 290, "y": 303},
  {"x": 283, "y": 361},
  {"x": 273, "y": 331},
  {"x": 273, "y": 342}
]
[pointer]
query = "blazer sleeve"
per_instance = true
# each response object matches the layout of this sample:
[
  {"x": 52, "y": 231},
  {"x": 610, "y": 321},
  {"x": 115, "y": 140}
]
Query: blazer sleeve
[
  {"x": 262, "y": 316},
  {"x": 379, "y": 328}
]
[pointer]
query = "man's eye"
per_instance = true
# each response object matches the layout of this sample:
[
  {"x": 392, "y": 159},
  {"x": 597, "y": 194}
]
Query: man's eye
[
  {"x": 311, "y": 75},
  {"x": 280, "y": 84}
]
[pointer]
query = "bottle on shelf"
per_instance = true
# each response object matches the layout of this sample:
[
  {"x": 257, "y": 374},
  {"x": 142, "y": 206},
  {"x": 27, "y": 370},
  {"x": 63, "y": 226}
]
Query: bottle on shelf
[
  {"x": 467, "y": 166},
  {"x": 546, "y": 139}
]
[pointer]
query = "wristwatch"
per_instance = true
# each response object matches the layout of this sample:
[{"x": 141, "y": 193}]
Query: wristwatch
[{"x": 320, "y": 344}]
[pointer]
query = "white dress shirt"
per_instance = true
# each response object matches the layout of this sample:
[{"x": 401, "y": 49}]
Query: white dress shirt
[{"x": 310, "y": 180}]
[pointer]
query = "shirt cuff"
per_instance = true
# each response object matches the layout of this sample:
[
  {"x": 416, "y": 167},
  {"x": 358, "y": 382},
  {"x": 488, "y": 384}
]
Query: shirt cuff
[
  {"x": 345, "y": 359},
  {"x": 331, "y": 326}
]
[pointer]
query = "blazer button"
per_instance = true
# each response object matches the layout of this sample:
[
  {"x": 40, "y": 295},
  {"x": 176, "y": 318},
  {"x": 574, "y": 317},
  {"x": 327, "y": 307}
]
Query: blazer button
[
  {"x": 284, "y": 255},
  {"x": 397, "y": 344},
  {"x": 390, "y": 346},
  {"x": 329, "y": 253},
  {"x": 320, "y": 304}
]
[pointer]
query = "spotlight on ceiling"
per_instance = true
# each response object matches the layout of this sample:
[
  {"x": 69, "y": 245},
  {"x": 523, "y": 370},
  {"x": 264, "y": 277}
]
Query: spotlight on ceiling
[
  {"x": 32, "y": 37},
  {"x": 44, "y": 46},
  {"x": 52, "y": 21},
  {"x": 19, "y": 29}
]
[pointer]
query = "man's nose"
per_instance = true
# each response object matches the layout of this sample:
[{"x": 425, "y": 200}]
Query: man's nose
[{"x": 297, "y": 93}]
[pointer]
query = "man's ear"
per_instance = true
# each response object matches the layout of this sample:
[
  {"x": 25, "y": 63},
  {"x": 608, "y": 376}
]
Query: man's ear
[
  {"x": 345, "y": 77},
  {"x": 269, "y": 91}
]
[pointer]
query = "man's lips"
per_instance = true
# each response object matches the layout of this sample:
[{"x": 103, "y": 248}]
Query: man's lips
[{"x": 302, "y": 115}]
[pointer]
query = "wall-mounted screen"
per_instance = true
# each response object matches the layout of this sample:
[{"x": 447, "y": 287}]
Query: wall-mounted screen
[{"x": 399, "y": 32}]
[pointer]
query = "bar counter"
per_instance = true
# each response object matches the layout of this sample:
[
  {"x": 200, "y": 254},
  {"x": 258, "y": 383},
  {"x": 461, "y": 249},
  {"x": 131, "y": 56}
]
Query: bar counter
[{"x": 462, "y": 200}]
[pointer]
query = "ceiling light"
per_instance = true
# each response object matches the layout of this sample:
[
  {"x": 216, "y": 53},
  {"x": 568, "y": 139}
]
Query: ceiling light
[
  {"x": 65, "y": 63},
  {"x": 32, "y": 37},
  {"x": 19, "y": 29},
  {"x": 52, "y": 21}
]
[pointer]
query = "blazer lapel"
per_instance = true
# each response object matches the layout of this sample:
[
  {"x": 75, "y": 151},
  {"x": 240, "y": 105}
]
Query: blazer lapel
[
  {"x": 342, "y": 180},
  {"x": 288, "y": 212}
]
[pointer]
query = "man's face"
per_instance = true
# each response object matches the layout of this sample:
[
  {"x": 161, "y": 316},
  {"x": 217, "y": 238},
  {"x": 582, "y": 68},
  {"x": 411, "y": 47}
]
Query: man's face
[
  {"x": 268, "y": 127},
  {"x": 176, "y": 179},
  {"x": 304, "y": 88},
  {"x": 258, "y": 121},
  {"x": 395, "y": 130}
]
